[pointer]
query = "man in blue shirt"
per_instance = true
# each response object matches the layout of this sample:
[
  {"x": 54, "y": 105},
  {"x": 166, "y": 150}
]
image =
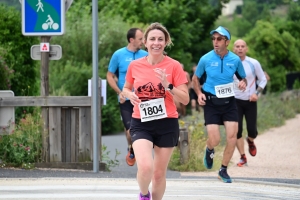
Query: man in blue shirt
[
  {"x": 117, "y": 69},
  {"x": 217, "y": 96}
]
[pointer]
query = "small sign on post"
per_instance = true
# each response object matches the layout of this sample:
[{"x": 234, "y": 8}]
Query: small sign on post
[
  {"x": 55, "y": 51},
  {"x": 44, "y": 47}
]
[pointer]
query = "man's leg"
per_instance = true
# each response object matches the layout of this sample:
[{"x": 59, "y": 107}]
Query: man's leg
[
  {"x": 231, "y": 129},
  {"x": 242, "y": 107},
  {"x": 126, "y": 109},
  {"x": 213, "y": 135},
  {"x": 251, "y": 119},
  {"x": 128, "y": 137},
  {"x": 212, "y": 141}
]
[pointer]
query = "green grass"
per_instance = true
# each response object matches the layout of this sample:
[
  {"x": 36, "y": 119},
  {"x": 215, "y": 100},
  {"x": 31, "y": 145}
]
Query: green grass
[{"x": 272, "y": 112}]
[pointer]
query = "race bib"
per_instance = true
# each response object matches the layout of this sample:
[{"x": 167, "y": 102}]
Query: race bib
[
  {"x": 225, "y": 90},
  {"x": 153, "y": 109}
]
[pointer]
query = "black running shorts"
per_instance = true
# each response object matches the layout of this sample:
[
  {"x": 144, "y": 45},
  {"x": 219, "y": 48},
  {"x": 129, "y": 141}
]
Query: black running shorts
[
  {"x": 161, "y": 132},
  {"x": 217, "y": 114},
  {"x": 126, "y": 109}
]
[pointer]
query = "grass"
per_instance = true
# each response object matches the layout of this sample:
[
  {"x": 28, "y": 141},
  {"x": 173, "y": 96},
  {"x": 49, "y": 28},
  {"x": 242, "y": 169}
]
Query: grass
[{"x": 272, "y": 112}]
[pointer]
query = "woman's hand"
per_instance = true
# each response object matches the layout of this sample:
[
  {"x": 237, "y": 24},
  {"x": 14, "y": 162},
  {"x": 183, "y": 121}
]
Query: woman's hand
[
  {"x": 162, "y": 76},
  {"x": 134, "y": 99}
]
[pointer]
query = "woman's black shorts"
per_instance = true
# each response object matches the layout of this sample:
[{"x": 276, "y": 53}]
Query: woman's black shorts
[{"x": 162, "y": 132}]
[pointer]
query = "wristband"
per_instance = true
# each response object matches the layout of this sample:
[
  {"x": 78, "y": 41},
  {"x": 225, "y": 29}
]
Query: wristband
[{"x": 257, "y": 92}]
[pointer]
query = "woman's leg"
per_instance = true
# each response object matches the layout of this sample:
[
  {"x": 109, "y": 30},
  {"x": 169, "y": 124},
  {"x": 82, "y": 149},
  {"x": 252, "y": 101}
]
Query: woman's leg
[
  {"x": 161, "y": 160},
  {"x": 144, "y": 159}
]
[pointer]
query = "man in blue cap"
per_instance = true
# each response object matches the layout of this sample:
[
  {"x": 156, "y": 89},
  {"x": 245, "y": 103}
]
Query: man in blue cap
[{"x": 216, "y": 95}]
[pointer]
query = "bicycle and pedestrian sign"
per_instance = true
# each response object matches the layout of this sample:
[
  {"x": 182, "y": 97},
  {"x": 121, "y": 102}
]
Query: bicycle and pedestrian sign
[{"x": 43, "y": 17}]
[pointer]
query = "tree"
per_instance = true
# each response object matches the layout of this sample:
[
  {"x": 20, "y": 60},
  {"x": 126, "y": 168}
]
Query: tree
[
  {"x": 69, "y": 76},
  {"x": 277, "y": 52},
  {"x": 188, "y": 21},
  {"x": 18, "y": 56}
]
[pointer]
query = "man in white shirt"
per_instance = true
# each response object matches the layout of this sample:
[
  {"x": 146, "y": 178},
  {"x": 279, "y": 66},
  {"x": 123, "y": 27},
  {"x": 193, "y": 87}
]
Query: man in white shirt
[{"x": 247, "y": 100}]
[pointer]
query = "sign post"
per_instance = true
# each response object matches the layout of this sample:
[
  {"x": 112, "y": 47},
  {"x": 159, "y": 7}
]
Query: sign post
[{"x": 43, "y": 17}]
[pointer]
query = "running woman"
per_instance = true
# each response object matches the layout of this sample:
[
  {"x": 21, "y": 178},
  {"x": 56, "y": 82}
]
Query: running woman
[{"x": 157, "y": 80}]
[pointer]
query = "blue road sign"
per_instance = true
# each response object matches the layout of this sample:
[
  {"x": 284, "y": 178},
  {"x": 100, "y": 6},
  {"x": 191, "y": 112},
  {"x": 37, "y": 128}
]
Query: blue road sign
[{"x": 43, "y": 17}]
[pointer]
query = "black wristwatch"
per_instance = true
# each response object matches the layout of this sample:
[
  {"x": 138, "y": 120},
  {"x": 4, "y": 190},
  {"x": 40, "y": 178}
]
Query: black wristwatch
[{"x": 170, "y": 87}]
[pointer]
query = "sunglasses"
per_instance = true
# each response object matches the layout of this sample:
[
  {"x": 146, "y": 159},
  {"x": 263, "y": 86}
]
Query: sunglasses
[{"x": 217, "y": 38}]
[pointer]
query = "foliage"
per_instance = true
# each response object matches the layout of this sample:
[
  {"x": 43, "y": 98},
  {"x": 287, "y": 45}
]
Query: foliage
[
  {"x": 14, "y": 3},
  {"x": 180, "y": 17},
  {"x": 70, "y": 74},
  {"x": 277, "y": 52},
  {"x": 197, "y": 143},
  {"x": 253, "y": 10},
  {"x": 272, "y": 112},
  {"x": 23, "y": 147},
  {"x": 106, "y": 159},
  {"x": 17, "y": 55},
  {"x": 18, "y": 46},
  {"x": 6, "y": 74},
  {"x": 296, "y": 84}
]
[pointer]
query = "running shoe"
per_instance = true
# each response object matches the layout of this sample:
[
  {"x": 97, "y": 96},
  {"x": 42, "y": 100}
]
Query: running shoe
[
  {"x": 130, "y": 158},
  {"x": 223, "y": 176},
  {"x": 208, "y": 158},
  {"x": 252, "y": 147},
  {"x": 243, "y": 161},
  {"x": 147, "y": 197}
]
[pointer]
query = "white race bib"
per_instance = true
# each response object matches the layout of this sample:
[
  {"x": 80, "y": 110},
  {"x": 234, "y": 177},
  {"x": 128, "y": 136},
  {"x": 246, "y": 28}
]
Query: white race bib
[
  {"x": 225, "y": 90},
  {"x": 153, "y": 109}
]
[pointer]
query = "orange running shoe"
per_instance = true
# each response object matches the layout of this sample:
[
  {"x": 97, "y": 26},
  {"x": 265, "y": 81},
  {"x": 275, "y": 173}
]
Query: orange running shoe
[
  {"x": 252, "y": 147},
  {"x": 130, "y": 158},
  {"x": 243, "y": 161}
]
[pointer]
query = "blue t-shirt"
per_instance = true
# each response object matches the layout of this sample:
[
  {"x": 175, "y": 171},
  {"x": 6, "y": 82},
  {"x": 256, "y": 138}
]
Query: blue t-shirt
[
  {"x": 219, "y": 70},
  {"x": 120, "y": 61}
]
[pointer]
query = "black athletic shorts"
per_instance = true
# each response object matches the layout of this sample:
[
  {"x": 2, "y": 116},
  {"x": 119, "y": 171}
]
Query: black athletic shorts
[
  {"x": 126, "y": 109},
  {"x": 162, "y": 132},
  {"x": 217, "y": 110}
]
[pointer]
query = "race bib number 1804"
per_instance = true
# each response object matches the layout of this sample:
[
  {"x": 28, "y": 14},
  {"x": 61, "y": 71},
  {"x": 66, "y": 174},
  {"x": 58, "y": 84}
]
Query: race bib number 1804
[{"x": 152, "y": 109}]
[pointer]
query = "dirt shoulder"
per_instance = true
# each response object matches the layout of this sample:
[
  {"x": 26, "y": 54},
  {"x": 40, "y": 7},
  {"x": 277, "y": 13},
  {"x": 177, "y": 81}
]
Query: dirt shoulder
[{"x": 277, "y": 155}]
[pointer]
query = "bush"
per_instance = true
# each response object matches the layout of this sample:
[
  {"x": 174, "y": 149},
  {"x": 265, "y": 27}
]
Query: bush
[{"x": 23, "y": 147}]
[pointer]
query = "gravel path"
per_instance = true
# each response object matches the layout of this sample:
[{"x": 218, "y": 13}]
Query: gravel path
[{"x": 277, "y": 155}]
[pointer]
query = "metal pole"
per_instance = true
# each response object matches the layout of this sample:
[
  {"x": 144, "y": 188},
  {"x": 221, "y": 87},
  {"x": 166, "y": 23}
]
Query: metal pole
[{"x": 95, "y": 102}]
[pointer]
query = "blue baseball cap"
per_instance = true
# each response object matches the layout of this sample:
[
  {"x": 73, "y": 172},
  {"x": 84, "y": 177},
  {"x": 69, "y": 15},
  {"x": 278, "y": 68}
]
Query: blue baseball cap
[{"x": 222, "y": 31}]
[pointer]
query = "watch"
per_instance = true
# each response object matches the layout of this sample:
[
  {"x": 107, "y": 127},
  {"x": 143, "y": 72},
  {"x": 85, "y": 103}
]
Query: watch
[{"x": 170, "y": 87}]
